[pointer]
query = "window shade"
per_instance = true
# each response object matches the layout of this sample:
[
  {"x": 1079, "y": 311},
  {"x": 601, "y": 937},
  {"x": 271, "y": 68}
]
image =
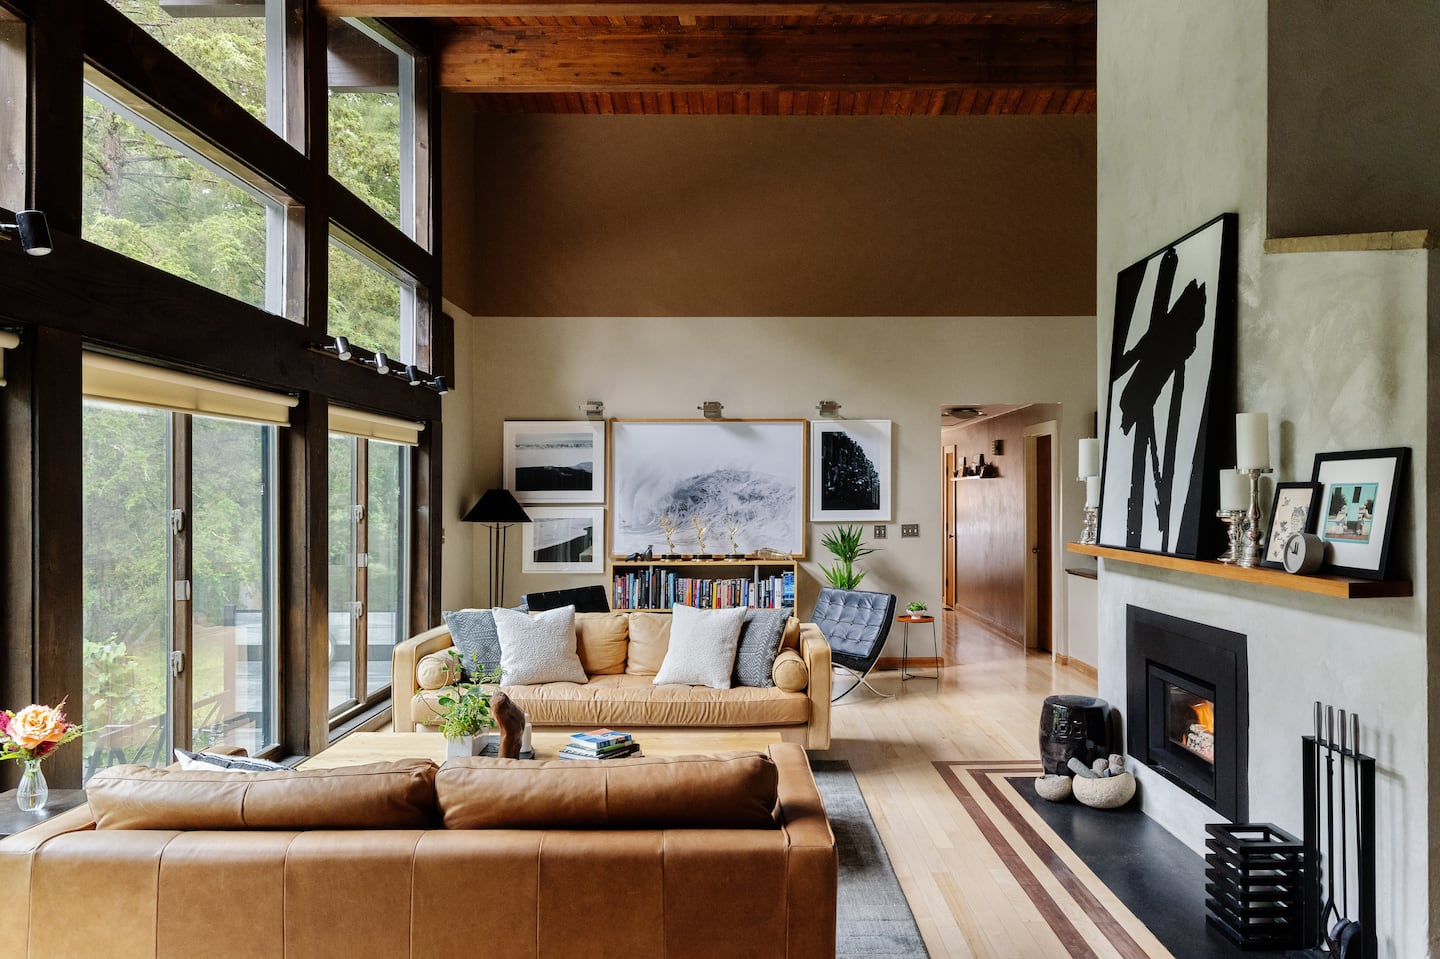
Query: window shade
[
  {"x": 373, "y": 426},
  {"x": 123, "y": 381}
]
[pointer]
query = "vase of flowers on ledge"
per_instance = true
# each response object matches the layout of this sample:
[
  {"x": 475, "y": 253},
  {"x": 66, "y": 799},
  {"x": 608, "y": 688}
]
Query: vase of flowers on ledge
[{"x": 29, "y": 736}]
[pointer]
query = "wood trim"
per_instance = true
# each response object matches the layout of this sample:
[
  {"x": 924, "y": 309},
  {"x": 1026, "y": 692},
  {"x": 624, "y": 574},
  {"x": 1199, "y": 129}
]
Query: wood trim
[
  {"x": 18, "y": 574},
  {"x": 815, "y": 57},
  {"x": 690, "y": 9},
  {"x": 427, "y": 525},
  {"x": 182, "y": 620},
  {"x": 1080, "y": 666},
  {"x": 1348, "y": 242},
  {"x": 56, "y": 124},
  {"x": 304, "y": 578},
  {"x": 1320, "y": 584},
  {"x": 58, "y": 511}
]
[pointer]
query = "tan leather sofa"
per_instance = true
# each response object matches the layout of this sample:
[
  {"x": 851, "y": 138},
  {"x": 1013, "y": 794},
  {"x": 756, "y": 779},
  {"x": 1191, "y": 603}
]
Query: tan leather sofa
[
  {"x": 621, "y": 653},
  {"x": 686, "y": 857}
]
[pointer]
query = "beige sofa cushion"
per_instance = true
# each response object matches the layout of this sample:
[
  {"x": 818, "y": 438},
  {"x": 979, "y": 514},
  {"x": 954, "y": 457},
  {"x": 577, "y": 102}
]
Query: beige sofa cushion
[
  {"x": 728, "y": 791},
  {"x": 603, "y": 641},
  {"x": 437, "y": 670},
  {"x": 395, "y": 795},
  {"x": 622, "y": 701},
  {"x": 649, "y": 641},
  {"x": 789, "y": 671},
  {"x": 791, "y": 639}
]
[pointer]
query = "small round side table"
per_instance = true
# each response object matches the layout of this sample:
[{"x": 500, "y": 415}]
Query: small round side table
[{"x": 919, "y": 620}]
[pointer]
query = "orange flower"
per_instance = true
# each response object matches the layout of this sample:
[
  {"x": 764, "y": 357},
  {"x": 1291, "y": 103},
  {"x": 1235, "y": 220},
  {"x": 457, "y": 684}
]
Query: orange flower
[{"x": 36, "y": 725}]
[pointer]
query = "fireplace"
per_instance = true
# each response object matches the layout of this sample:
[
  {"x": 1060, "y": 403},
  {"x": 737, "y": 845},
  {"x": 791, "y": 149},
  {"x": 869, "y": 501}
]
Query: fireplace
[{"x": 1188, "y": 714}]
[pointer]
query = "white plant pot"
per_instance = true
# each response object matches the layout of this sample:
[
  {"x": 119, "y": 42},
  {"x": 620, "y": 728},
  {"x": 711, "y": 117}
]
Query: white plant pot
[{"x": 470, "y": 745}]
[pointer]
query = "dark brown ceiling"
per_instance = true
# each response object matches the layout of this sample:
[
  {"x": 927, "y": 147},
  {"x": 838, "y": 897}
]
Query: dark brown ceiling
[{"x": 768, "y": 58}]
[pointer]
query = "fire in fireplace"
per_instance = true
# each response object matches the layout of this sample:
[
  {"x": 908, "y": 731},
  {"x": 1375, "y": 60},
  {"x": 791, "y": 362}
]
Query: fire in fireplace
[{"x": 1188, "y": 715}]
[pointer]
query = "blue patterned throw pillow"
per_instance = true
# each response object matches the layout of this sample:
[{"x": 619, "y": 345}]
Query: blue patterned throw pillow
[
  {"x": 759, "y": 642},
  {"x": 477, "y": 639}
]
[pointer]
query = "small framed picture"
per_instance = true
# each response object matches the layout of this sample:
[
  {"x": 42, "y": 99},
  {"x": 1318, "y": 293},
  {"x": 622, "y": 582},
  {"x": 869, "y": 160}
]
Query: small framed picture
[
  {"x": 1293, "y": 512},
  {"x": 564, "y": 539},
  {"x": 555, "y": 461},
  {"x": 1360, "y": 492}
]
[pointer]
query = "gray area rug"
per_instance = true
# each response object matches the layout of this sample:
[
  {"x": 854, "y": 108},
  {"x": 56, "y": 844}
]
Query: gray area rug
[{"x": 873, "y": 918}]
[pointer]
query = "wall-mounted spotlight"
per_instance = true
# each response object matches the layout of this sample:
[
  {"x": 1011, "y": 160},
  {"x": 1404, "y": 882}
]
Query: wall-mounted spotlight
[
  {"x": 338, "y": 346},
  {"x": 381, "y": 362},
  {"x": 593, "y": 409},
  {"x": 33, "y": 230},
  {"x": 713, "y": 409},
  {"x": 412, "y": 375},
  {"x": 440, "y": 386},
  {"x": 828, "y": 408}
]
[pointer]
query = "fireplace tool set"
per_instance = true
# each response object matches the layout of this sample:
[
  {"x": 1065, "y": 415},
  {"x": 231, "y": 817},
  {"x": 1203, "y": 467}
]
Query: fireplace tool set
[{"x": 1340, "y": 808}]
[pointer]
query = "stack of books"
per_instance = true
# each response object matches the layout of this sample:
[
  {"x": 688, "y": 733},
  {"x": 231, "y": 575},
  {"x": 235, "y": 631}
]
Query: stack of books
[{"x": 600, "y": 744}]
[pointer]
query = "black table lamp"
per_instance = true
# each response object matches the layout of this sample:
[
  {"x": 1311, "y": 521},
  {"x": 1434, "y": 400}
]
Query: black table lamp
[{"x": 498, "y": 510}]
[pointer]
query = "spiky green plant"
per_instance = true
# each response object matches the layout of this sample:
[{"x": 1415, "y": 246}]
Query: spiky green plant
[{"x": 845, "y": 544}]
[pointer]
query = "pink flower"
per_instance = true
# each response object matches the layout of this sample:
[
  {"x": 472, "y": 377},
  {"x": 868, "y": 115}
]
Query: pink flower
[{"x": 36, "y": 724}]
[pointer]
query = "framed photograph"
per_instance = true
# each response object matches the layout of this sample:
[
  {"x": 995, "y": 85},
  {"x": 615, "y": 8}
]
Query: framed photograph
[
  {"x": 564, "y": 539},
  {"x": 1292, "y": 512},
  {"x": 734, "y": 486},
  {"x": 1360, "y": 491},
  {"x": 850, "y": 471},
  {"x": 555, "y": 462},
  {"x": 1172, "y": 361}
]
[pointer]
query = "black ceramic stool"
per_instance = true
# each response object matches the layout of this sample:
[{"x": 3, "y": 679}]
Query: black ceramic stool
[{"x": 1073, "y": 726}]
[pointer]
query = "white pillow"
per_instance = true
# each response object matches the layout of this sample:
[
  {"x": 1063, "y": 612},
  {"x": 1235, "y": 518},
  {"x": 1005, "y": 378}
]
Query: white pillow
[
  {"x": 538, "y": 647},
  {"x": 702, "y": 646}
]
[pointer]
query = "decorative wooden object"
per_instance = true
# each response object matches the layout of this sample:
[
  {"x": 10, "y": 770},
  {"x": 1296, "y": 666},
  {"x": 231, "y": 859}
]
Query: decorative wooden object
[{"x": 511, "y": 720}]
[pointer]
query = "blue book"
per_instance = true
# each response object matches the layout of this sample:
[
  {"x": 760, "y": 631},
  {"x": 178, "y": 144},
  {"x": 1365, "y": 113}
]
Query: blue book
[{"x": 600, "y": 738}]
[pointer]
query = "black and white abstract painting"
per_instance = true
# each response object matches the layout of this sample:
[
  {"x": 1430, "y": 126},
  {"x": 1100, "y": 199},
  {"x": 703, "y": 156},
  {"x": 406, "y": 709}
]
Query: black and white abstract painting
[
  {"x": 708, "y": 481},
  {"x": 555, "y": 462},
  {"x": 564, "y": 539},
  {"x": 1171, "y": 366},
  {"x": 850, "y": 470}
]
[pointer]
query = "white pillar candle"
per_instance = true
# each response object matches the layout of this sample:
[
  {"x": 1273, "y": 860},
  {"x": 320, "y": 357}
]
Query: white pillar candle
[
  {"x": 1089, "y": 458},
  {"x": 1092, "y": 491},
  {"x": 1252, "y": 441},
  {"x": 1234, "y": 490}
]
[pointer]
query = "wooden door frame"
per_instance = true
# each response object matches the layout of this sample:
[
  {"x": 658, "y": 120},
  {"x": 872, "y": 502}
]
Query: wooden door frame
[{"x": 1031, "y": 434}]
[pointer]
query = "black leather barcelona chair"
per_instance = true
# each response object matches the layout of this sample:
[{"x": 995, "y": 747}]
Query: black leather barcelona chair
[
  {"x": 855, "y": 623},
  {"x": 585, "y": 599}
]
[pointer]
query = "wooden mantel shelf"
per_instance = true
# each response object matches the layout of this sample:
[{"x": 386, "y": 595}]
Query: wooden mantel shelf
[{"x": 1341, "y": 587}]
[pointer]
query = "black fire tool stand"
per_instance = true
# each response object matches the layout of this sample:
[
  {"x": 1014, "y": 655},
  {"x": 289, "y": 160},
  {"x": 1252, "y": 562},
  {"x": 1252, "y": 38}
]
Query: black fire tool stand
[{"x": 1317, "y": 925}]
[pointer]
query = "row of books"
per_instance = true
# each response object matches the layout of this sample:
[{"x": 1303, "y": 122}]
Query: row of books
[
  {"x": 600, "y": 744},
  {"x": 661, "y": 589}
]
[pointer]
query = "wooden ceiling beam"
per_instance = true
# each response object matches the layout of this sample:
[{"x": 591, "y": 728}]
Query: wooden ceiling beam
[
  {"x": 697, "y": 8},
  {"x": 830, "y": 57}
]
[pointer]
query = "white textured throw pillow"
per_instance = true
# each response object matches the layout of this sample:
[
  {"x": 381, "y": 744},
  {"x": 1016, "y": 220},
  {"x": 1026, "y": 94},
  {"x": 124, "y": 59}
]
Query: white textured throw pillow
[
  {"x": 702, "y": 647},
  {"x": 538, "y": 647}
]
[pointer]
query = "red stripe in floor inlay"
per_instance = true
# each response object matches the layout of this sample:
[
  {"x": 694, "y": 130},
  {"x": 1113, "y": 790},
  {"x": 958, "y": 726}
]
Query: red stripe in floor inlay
[
  {"x": 1059, "y": 924},
  {"x": 1104, "y": 921}
]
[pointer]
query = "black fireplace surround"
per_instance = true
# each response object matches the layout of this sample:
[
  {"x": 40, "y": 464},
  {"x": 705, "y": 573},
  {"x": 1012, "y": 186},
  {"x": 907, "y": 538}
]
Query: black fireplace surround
[{"x": 1165, "y": 651}]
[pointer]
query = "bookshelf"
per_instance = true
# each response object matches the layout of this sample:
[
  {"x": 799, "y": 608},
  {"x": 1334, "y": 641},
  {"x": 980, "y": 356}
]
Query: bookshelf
[{"x": 656, "y": 585}]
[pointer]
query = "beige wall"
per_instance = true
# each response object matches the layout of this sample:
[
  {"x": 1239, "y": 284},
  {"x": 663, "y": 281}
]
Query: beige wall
[
  {"x": 899, "y": 368},
  {"x": 780, "y": 216},
  {"x": 1333, "y": 346}
]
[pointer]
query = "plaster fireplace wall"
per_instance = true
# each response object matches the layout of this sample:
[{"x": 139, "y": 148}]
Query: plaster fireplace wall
[{"x": 1334, "y": 346}]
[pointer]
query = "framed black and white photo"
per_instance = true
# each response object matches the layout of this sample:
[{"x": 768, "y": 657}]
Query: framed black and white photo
[
  {"x": 1292, "y": 512},
  {"x": 564, "y": 539},
  {"x": 1360, "y": 491},
  {"x": 1171, "y": 366},
  {"x": 555, "y": 461},
  {"x": 850, "y": 470},
  {"x": 706, "y": 481}
]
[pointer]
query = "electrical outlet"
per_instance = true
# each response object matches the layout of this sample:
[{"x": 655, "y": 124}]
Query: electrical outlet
[
  {"x": 879, "y": 531},
  {"x": 909, "y": 529}
]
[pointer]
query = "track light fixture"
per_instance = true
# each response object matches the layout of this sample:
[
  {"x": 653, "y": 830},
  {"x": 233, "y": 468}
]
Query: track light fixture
[
  {"x": 339, "y": 346},
  {"x": 713, "y": 409},
  {"x": 33, "y": 231},
  {"x": 412, "y": 375},
  {"x": 381, "y": 362},
  {"x": 440, "y": 385}
]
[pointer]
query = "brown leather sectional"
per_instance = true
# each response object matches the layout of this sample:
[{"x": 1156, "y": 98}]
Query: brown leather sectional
[
  {"x": 693, "y": 857},
  {"x": 621, "y": 653}
]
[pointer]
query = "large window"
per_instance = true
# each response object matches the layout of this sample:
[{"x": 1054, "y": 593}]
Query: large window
[
  {"x": 370, "y": 305},
  {"x": 372, "y": 83},
  {"x": 14, "y": 111},
  {"x": 369, "y": 559},
  {"x": 156, "y": 200}
]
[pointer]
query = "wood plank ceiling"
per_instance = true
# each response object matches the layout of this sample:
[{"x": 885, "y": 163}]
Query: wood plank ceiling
[{"x": 765, "y": 58}]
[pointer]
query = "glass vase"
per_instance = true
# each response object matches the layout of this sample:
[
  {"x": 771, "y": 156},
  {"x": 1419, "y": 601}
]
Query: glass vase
[{"x": 34, "y": 792}]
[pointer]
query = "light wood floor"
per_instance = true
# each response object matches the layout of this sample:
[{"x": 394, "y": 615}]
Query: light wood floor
[{"x": 965, "y": 895}]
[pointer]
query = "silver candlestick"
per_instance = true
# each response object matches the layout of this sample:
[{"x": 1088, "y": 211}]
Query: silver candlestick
[
  {"x": 1088, "y": 531},
  {"x": 1250, "y": 548},
  {"x": 1235, "y": 519}
]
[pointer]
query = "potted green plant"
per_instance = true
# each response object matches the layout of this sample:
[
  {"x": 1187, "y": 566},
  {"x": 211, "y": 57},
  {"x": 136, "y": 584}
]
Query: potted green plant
[
  {"x": 464, "y": 707},
  {"x": 845, "y": 544},
  {"x": 916, "y": 608}
]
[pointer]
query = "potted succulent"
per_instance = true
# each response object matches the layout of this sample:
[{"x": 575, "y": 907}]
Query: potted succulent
[
  {"x": 465, "y": 719},
  {"x": 915, "y": 608},
  {"x": 845, "y": 544}
]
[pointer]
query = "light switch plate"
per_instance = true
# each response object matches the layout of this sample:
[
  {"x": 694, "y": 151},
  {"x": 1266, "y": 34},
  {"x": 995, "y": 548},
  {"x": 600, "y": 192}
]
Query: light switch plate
[
  {"x": 879, "y": 531},
  {"x": 909, "y": 529}
]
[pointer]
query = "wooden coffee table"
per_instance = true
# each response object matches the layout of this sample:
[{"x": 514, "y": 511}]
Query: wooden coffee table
[{"x": 358, "y": 748}]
